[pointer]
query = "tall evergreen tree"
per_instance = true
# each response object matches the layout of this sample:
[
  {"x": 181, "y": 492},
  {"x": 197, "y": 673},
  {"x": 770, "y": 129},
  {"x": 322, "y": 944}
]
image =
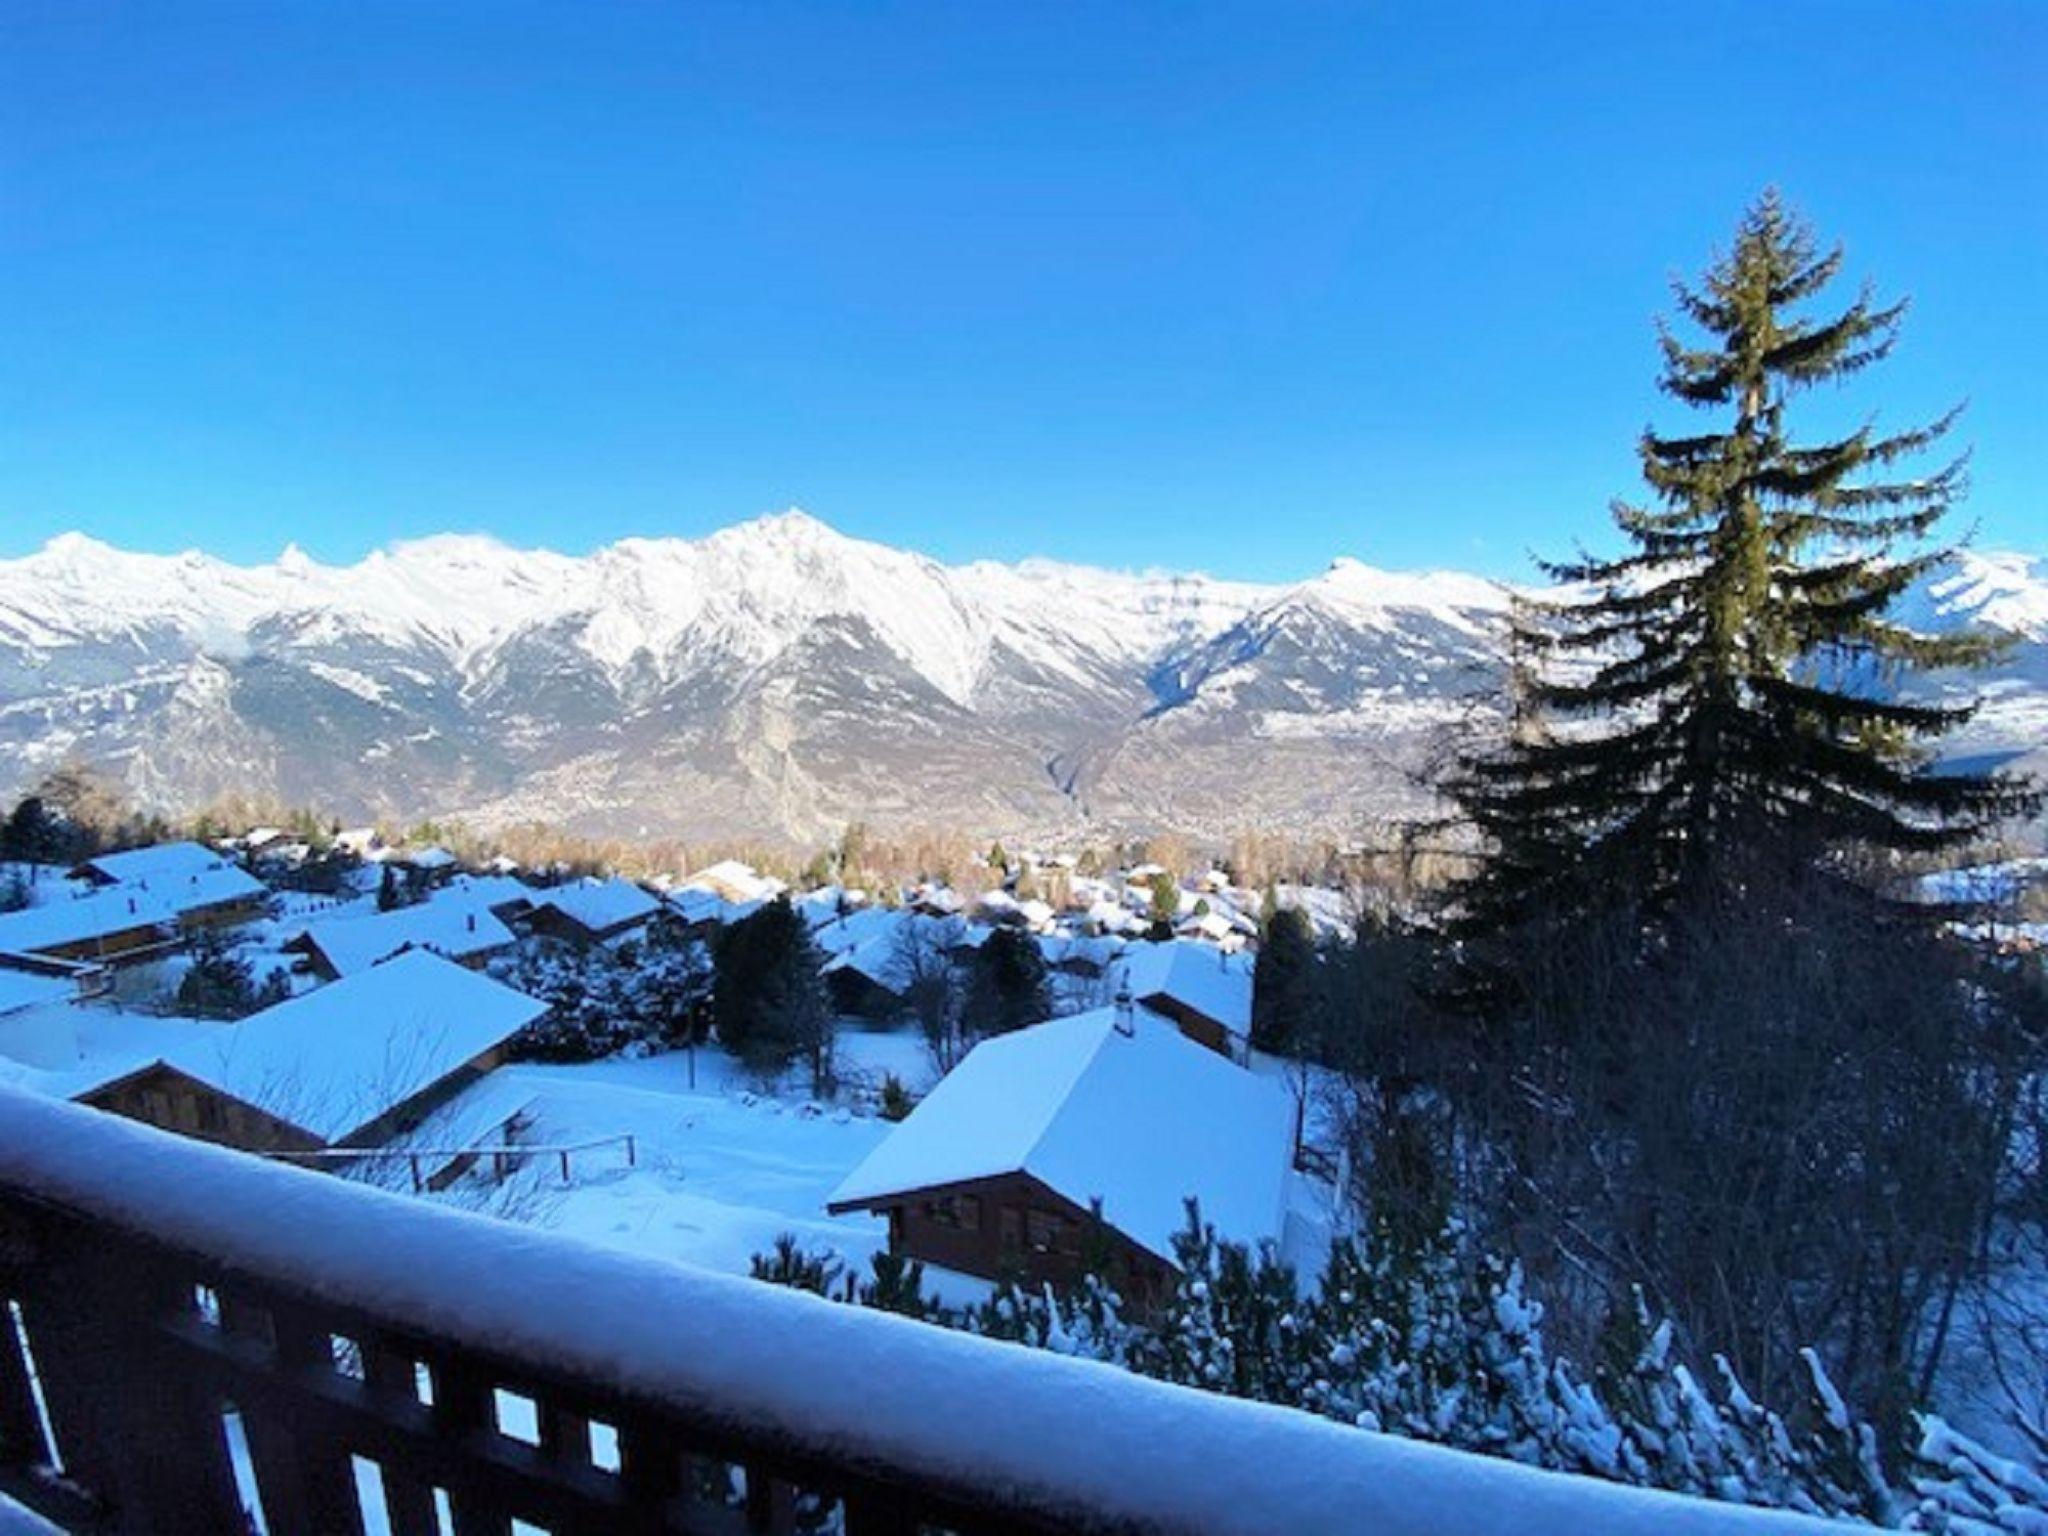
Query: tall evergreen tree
[
  {"x": 1285, "y": 990},
  {"x": 1730, "y": 684},
  {"x": 1008, "y": 987},
  {"x": 768, "y": 1001}
]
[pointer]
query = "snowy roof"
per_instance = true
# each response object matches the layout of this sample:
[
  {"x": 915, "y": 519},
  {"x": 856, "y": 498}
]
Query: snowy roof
[
  {"x": 732, "y": 879},
  {"x": 1140, "y": 1122},
  {"x": 1195, "y": 975},
  {"x": 27, "y": 989},
  {"x": 858, "y": 927},
  {"x": 427, "y": 858},
  {"x": 599, "y": 905},
  {"x": 164, "y": 861},
  {"x": 336, "y": 1058},
  {"x": 473, "y": 891},
  {"x": 453, "y": 928},
  {"x": 119, "y": 908},
  {"x": 1079, "y": 949},
  {"x": 696, "y": 904}
]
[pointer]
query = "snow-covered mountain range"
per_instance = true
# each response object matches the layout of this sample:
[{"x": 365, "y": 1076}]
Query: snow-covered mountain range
[{"x": 777, "y": 679}]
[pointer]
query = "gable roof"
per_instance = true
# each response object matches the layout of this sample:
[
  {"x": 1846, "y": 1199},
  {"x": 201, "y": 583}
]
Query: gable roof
[
  {"x": 161, "y": 861},
  {"x": 334, "y": 1059},
  {"x": 1196, "y": 976},
  {"x": 1140, "y": 1121},
  {"x": 599, "y": 905},
  {"x": 454, "y": 928},
  {"x": 23, "y": 989}
]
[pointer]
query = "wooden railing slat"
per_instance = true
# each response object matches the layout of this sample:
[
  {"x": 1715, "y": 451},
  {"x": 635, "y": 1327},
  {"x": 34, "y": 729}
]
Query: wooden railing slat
[
  {"x": 305, "y": 1480},
  {"x": 408, "y": 1501},
  {"x": 464, "y": 1409}
]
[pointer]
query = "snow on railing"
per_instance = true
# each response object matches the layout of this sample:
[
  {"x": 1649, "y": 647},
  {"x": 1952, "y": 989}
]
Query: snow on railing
[{"x": 912, "y": 1425}]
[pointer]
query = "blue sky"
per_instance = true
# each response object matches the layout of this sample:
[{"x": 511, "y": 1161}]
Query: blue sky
[{"x": 1237, "y": 287}]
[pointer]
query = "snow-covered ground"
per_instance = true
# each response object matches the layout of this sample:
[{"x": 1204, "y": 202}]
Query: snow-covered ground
[{"x": 721, "y": 1168}]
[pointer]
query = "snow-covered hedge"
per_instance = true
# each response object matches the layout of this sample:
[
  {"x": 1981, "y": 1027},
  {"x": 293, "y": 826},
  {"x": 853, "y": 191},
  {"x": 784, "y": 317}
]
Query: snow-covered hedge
[{"x": 1057, "y": 1435}]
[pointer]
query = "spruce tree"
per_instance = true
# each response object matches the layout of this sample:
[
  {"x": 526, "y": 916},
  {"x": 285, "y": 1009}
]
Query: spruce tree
[
  {"x": 1731, "y": 684},
  {"x": 1285, "y": 987},
  {"x": 1008, "y": 987},
  {"x": 768, "y": 1000}
]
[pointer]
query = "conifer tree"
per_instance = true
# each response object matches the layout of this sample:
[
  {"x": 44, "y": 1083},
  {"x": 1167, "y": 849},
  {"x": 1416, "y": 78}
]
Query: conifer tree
[
  {"x": 768, "y": 1000},
  {"x": 1730, "y": 684},
  {"x": 1284, "y": 983},
  {"x": 1008, "y": 987}
]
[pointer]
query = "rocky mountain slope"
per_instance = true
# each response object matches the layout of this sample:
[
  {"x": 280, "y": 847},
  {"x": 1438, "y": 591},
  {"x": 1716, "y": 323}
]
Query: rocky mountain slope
[{"x": 778, "y": 679}]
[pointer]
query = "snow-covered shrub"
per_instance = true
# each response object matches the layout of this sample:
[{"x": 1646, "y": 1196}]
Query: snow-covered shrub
[
  {"x": 1430, "y": 1336},
  {"x": 604, "y": 1000},
  {"x": 1964, "y": 1489}
]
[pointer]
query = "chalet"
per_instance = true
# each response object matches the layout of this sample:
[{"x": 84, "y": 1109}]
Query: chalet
[
  {"x": 427, "y": 866},
  {"x": 733, "y": 882},
  {"x": 507, "y": 899},
  {"x": 1083, "y": 955},
  {"x": 591, "y": 911},
  {"x": 358, "y": 842},
  {"x": 342, "y": 946},
  {"x": 1080, "y": 1139},
  {"x": 160, "y": 862},
  {"x": 343, "y": 1066},
  {"x": 134, "y": 921},
  {"x": 701, "y": 912},
  {"x": 1201, "y": 988},
  {"x": 869, "y": 980}
]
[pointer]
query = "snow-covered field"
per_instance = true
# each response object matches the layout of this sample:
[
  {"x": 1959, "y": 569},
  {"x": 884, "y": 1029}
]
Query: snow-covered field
[{"x": 721, "y": 1168}]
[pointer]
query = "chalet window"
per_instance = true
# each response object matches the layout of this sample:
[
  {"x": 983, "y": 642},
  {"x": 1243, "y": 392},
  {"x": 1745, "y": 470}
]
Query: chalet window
[
  {"x": 188, "y": 1113},
  {"x": 1012, "y": 1229},
  {"x": 1042, "y": 1228}
]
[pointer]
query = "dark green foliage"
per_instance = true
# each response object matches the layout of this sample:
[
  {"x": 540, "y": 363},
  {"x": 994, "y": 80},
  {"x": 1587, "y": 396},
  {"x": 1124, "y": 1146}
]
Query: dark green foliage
[
  {"x": 1286, "y": 991},
  {"x": 34, "y": 834},
  {"x": 1165, "y": 904},
  {"x": 394, "y": 890},
  {"x": 601, "y": 1000},
  {"x": 219, "y": 983},
  {"x": 1007, "y": 986},
  {"x": 768, "y": 1001},
  {"x": 1731, "y": 683},
  {"x": 896, "y": 1102}
]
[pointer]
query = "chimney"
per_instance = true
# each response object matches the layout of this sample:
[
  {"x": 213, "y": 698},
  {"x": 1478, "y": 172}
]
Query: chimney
[
  {"x": 472, "y": 922},
  {"x": 1126, "y": 1017}
]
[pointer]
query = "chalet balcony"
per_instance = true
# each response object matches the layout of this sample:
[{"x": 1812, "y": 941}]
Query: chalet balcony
[{"x": 190, "y": 1331}]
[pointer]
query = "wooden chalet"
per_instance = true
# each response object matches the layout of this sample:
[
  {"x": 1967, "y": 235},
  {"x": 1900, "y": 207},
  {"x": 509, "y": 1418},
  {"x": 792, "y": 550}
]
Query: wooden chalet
[
  {"x": 470, "y": 935},
  {"x": 588, "y": 912},
  {"x": 1076, "y": 1143},
  {"x": 1204, "y": 990},
  {"x": 348, "y": 1065}
]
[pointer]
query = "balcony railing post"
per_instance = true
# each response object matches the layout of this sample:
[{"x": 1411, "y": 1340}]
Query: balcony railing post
[
  {"x": 408, "y": 1501},
  {"x": 464, "y": 1410},
  {"x": 305, "y": 1483},
  {"x": 154, "y": 1451}
]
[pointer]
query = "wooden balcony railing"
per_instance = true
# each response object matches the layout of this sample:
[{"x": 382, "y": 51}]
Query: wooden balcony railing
[{"x": 386, "y": 1363}]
